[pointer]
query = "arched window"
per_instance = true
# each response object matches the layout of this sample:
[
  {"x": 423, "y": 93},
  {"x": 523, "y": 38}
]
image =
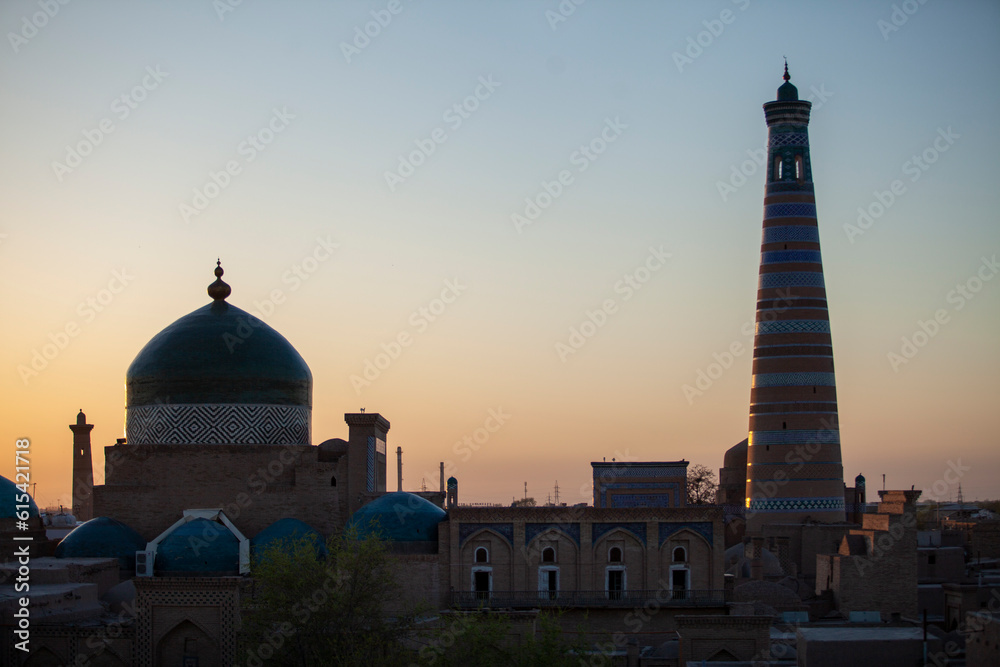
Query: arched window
[
  {"x": 777, "y": 167},
  {"x": 482, "y": 555},
  {"x": 799, "y": 175},
  {"x": 615, "y": 555},
  {"x": 548, "y": 555},
  {"x": 333, "y": 481},
  {"x": 680, "y": 555}
]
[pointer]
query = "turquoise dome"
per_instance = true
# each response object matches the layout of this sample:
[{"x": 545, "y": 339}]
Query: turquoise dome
[
  {"x": 218, "y": 354},
  {"x": 399, "y": 517},
  {"x": 199, "y": 546},
  {"x": 102, "y": 537},
  {"x": 287, "y": 530},
  {"x": 787, "y": 92},
  {"x": 218, "y": 375},
  {"x": 9, "y": 494}
]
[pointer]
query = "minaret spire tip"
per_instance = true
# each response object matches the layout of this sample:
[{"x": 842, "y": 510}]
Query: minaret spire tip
[{"x": 786, "y": 77}]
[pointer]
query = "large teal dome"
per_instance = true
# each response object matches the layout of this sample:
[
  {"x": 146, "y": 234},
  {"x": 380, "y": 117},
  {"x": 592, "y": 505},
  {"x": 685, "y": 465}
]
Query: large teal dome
[
  {"x": 199, "y": 546},
  {"x": 218, "y": 375},
  {"x": 399, "y": 517},
  {"x": 283, "y": 532},
  {"x": 102, "y": 537},
  {"x": 9, "y": 495}
]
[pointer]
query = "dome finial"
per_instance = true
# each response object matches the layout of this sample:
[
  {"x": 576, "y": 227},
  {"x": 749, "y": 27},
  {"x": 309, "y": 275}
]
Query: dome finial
[
  {"x": 786, "y": 77},
  {"x": 219, "y": 290}
]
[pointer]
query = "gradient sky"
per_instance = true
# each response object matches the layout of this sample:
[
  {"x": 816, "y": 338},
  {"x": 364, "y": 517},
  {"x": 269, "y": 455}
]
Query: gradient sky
[{"x": 885, "y": 85}]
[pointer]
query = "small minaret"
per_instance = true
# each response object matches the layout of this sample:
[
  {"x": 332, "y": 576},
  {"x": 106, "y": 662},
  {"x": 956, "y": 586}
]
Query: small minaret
[
  {"x": 399, "y": 468},
  {"x": 83, "y": 470},
  {"x": 794, "y": 466},
  {"x": 452, "y": 500}
]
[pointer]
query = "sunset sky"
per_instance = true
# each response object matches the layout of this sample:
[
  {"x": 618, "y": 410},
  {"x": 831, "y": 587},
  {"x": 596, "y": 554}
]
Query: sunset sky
[{"x": 349, "y": 180}]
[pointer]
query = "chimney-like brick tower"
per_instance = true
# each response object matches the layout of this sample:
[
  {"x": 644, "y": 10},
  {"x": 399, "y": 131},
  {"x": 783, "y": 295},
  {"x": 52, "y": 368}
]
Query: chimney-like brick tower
[
  {"x": 83, "y": 469},
  {"x": 366, "y": 442},
  {"x": 794, "y": 466}
]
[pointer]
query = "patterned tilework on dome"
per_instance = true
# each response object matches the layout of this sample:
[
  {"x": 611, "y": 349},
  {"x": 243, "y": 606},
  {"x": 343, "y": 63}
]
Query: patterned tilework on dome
[
  {"x": 239, "y": 424},
  {"x": 218, "y": 375},
  {"x": 793, "y": 400}
]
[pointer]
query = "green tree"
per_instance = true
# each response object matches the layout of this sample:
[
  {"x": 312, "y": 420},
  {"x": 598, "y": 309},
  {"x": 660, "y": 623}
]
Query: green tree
[{"x": 307, "y": 608}]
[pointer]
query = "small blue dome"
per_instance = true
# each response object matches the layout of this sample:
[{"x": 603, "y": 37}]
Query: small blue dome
[
  {"x": 399, "y": 517},
  {"x": 287, "y": 530},
  {"x": 199, "y": 545},
  {"x": 102, "y": 537},
  {"x": 859, "y": 480},
  {"x": 9, "y": 494}
]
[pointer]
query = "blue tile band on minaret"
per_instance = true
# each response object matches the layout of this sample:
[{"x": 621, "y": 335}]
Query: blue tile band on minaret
[{"x": 794, "y": 466}]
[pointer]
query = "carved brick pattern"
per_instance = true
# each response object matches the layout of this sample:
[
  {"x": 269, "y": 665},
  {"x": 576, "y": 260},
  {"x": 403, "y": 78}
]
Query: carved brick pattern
[
  {"x": 804, "y": 436},
  {"x": 793, "y": 326},
  {"x": 794, "y": 380},
  {"x": 185, "y": 593},
  {"x": 796, "y": 504},
  {"x": 791, "y": 279},
  {"x": 793, "y": 210},
  {"x": 221, "y": 424},
  {"x": 779, "y": 256},
  {"x": 788, "y": 139},
  {"x": 782, "y": 233},
  {"x": 810, "y": 471}
]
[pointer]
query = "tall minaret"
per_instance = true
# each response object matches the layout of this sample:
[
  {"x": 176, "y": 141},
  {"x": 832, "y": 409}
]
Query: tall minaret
[
  {"x": 83, "y": 470},
  {"x": 794, "y": 468}
]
